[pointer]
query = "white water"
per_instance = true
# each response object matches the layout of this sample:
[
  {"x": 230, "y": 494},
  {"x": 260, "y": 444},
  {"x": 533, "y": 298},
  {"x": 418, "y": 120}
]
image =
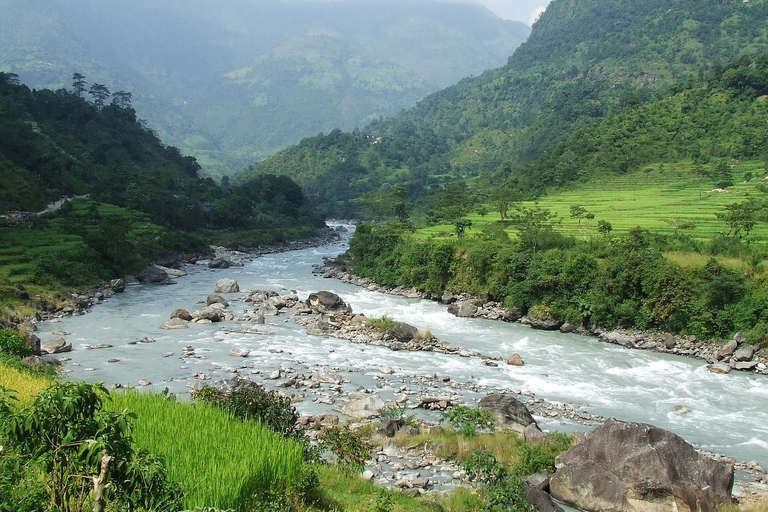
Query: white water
[{"x": 728, "y": 413}]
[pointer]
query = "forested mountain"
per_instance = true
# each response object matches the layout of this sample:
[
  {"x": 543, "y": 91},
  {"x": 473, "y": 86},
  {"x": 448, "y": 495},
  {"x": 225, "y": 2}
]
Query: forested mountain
[
  {"x": 233, "y": 81},
  {"x": 585, "y": 59}
]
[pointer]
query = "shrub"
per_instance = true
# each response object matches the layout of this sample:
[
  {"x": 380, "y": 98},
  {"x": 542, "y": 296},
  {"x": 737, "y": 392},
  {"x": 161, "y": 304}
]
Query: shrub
[
  {"x": 11, "y": 343},
  {"x": 467, "y": 420},
  {"x": 349, "y": 447},
  {"x": 382, "y": 324}
]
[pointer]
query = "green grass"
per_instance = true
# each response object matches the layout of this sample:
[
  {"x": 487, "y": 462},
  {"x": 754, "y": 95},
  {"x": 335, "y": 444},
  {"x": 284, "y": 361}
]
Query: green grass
[
  {"x": 24, "y": 386},
  {"x": 220, "y": 461},
  {"x": 652, "y": 200}
]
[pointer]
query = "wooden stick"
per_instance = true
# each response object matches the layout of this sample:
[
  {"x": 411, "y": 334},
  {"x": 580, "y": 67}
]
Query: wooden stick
[{"x": 101, "y": 483}]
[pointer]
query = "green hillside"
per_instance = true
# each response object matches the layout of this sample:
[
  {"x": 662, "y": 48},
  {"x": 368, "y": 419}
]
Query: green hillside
[
  {"x": 584, "y": 60},
  {"x": 134, "y": 196},
  {"x": 232, "y": 82}
]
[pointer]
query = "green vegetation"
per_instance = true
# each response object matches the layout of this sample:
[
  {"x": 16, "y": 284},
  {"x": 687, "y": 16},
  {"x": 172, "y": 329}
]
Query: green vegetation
[
  {"x": 136, "y": 196},
  {"x": 468, "y": 421},
  {"x": 603, "y": 281}
]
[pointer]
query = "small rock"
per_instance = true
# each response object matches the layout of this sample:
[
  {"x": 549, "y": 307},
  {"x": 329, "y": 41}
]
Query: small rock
[
  {"x": 216, "y": 299},
  {"x": 99, "y": 346},
  {"x": 113, "y": 360},
  {"x": 239, "y": 352},
  {"x": 515, "y": 360},
  {"x": 719, "y": 368},
  {"x": 367, "y": 475},
  {"x": 144, "y": 382},
  {"x": 387, "y": 370}
]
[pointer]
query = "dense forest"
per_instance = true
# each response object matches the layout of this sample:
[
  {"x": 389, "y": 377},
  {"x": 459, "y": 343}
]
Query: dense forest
[
  {"x": 584, "y": 60},
  {"x": 125, "y": 193}
]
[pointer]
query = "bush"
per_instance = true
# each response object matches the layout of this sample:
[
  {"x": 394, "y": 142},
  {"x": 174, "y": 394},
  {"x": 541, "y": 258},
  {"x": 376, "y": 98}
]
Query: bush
[
  {"x": 349, "y": 447},
  {"x": 467, "y": 420},
  {"x": 12, "y": 344}
]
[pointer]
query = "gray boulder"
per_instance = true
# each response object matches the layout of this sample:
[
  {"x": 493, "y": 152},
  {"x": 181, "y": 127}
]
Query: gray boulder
[
  {"x": 616, "y": 338},
  {"x": 728, "y": 349},
  {"x": 152, "y": 275},
  {"x": 390, "y": 426},
  {"x": 56, "y": 346},
  {"x": 402, "y": 331},
  {"x": 463, "y": 309},
  {"x": 508, "y": 412},
  {"x": 226, "y": 285},
  {"x": 367, "y": 407},
  {"x": 32, "y": 342},
  {"x": 540, "y": 498},
  {"x": 174, "y": 323},
  {"x": 628, "y": 467},
  {"x": 743, "y": 353},
  {"x": 217, "y": 299},
  {"x": 219, "y": 263},
  {"x": 117, "y": 285},
  {"x": 210, "y": 313},
  {"x": 327, "y": 302}
]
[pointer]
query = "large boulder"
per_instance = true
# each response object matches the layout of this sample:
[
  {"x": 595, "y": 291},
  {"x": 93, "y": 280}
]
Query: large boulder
[
  {"x": 541, "y": 318},
  {"x": 181, "y": 313},
  {"x": 219, "y": 263},
  {"x": 367, "y": 407},
  {"x": 216, "y": 299},
  {"x": 152, "y": 275},
  {"x": 628, "y": 467},
  {"x": 210, "y": 313},
  {"x": 56, "y": 346},
  {"x": 117, "y": 285},
  {"x": 508, "y": 412},
  {"x": 403, "y": 332},
  {"x": 463, "y": 309},
  {"x": 327, "y": 302},
  {"x": 226, "y": 285}
]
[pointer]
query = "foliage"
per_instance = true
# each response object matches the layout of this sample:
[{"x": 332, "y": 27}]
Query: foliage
[
  {"x": 468, "y": 420},
  {"x": 12, "y": 344},
  {"x": 270, "y": 408},
  {"x": 619, "y": 281},
  {"x": 348, "y": 446},
  {"x": 502, "y": 490},
  {"x": 382, "y": 324},
  {"x": 61, "y": 437},
  {"x": 540, "y": 457}
]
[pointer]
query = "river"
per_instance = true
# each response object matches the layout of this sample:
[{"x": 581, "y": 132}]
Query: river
[{"x": 726, "y": 414}]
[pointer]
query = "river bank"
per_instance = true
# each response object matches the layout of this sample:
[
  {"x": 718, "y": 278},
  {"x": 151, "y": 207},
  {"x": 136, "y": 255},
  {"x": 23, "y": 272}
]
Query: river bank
[{"x": 721, "y": 357}]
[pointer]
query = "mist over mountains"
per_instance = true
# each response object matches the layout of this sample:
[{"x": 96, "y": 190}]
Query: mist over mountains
[{"x": 232, "y": 82}]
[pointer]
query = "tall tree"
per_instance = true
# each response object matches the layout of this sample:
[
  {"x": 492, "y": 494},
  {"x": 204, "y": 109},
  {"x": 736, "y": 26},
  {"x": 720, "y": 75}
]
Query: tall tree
[
  {"x": 100, "y": 95},
  {"x": 122, "y": 99},
  {"x": 78, "y": 84}
]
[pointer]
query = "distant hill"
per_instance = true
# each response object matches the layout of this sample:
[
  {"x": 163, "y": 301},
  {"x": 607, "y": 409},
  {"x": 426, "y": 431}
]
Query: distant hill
[
  {"x": 584, "y": 60},
  {"x": 233, "y": 81}
]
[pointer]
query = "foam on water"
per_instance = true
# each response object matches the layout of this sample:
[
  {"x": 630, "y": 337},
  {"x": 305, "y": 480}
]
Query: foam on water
[{"x": 725, "y": 413}]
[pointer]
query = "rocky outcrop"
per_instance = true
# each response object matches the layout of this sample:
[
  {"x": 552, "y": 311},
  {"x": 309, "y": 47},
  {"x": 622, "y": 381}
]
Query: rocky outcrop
[
  {"x": 628, "y": 467},
  {"x": 117, "y": 285},
  {"x": 508, "y": 413},
  {"x": 226, "y": 285},
  {"x": 56, "y": 346},
  {"x": 152, "y": 275},
  {"x": 327, "y": 302}
]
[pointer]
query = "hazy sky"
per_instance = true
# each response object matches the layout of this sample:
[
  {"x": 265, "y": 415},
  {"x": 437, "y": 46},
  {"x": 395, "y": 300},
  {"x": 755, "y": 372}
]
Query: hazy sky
[{"x": 521, "y": 10}]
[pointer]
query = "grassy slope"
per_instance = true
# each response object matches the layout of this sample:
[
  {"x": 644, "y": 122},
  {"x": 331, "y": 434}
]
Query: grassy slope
[{"x": 650, "y": 200}]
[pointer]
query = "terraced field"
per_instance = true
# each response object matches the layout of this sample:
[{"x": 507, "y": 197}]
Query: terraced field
[{"x": 662, "y": 201}]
